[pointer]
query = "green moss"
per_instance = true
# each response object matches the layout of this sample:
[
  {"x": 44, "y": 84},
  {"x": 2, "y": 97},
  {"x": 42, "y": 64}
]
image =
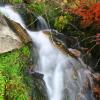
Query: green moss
[
  {"x": 11, "y": 75},
  {"x": 15, "y": 1},
  {"x": 11, "y": 1}
]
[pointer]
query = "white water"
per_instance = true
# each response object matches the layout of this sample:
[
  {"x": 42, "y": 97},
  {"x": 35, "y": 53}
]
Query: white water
[{"x": 63, "y": 75}]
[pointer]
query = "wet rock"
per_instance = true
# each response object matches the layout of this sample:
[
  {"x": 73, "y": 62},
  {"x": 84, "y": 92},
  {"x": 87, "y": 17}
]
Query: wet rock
[
  {"x": 36, "y": 84},
  {"x": 37, "y": 75},
  {"x": 66, "y": 94},
  {"x": 59, "y": 42},
  {"x": 19, "y": 30},
  {"x": 77, "y": 53},
  {"x": 39, "y": 90},
  {"x": 34, "y": 74},
  {"x": 27, "y": 1},
  {"x": 69, "y": 41}
]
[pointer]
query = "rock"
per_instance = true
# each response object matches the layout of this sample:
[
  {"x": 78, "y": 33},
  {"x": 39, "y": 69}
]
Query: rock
[
  {"x": 36, "y": 84},
  {"x": 39, "y": 90},
  {"x": 11, "y": 37},
  {"x": 8, "y": 39},
  {"x": 77, "y": 53},
  {"x": 19, "y": 30},
  {"x": 96, "y": 86},
  {"x": 27, "y": 1},
  {"x": 38, "y": 75},
  {"x": 58, "y": 41}
]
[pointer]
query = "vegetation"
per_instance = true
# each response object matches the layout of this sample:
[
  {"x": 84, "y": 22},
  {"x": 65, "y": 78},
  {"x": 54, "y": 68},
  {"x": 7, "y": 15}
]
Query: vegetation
[
  {"x": 12, "y": 63},
  {"x": 77, "y": 18},
  {"x": 62, "y": 21}
]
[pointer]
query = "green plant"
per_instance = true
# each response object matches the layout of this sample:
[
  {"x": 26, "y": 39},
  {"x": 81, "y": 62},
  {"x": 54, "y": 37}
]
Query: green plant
[
  {"x": 11, "y": 1},
  {"x": 62, "y": 21},
  {"x": 47, "y": 10},
  {"x": 38, "y": 8},
  {"x": 15, "y": 1},
  {"x": 11, "y": 75}
]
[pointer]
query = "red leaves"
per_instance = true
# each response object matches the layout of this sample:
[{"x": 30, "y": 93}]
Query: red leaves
[
  {"x": 90, "y": 15},
  {"x": 95, "y": 9}
]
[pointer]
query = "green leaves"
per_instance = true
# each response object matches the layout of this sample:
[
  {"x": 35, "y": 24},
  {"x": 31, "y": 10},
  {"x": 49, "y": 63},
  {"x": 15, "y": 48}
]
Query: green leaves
[
  {"x": 15, "y": 1},
  {"x": 2, "y": 85},
  {"x": 61, "y": 21},
  {"x": 38, "y": 8},
  {"x": 11, "y": 1}
]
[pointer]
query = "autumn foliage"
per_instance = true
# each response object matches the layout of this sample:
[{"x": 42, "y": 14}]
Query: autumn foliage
[{"x": 89, "y": 14}]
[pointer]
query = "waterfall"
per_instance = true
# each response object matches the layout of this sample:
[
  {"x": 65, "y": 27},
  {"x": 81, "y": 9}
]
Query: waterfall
[
  {"x": 65, "y": 77},
  {"x": 41, "y": 23}
]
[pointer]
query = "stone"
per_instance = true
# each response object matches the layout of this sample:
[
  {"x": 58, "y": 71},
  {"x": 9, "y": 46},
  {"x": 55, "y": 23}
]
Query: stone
[
  {"x": 8, "y": 39},
  {"x": 58, "y": 41},
  {"x": 12, "y": 35},
  {"x": 38, "y": 75},
  {"x": 19, "y": 30},
  {"x": 76, "y": 52}
]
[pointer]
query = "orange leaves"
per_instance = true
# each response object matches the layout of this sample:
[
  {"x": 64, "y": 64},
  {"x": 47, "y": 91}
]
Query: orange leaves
[
  {"x": 95, "y": 9},
  {"x": 86, "y": 17},
  {"x": 90, "y": 15}
]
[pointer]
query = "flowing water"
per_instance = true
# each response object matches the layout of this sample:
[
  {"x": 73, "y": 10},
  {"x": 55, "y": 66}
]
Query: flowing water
[{"x": 65, "y": 77}]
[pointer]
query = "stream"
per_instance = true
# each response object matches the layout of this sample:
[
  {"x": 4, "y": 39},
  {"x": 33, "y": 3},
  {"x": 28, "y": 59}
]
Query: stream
[{"x": 66, "y": 78}]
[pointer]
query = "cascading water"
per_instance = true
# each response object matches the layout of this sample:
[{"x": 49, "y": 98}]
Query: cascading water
[{"x": 65, "y": 77}]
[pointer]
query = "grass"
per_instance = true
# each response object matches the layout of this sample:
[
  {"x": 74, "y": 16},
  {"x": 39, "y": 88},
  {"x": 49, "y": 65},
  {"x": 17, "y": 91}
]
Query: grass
[{"x": 11, "y": 75}]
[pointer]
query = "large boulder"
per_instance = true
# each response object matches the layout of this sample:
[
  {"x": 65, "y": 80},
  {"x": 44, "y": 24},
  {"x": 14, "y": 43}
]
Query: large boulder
[{"x": 12, "y": 35}]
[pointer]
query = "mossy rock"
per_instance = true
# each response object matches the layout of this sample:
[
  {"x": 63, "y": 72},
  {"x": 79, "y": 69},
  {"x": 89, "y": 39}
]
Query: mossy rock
[{"x": 38, "y": 90}]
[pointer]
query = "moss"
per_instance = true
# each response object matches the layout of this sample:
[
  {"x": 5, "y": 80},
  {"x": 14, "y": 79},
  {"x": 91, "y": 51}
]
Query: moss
[
  {"x": 11, "y": 76},
  {"x": 15, "y": 81},
  {"x": 11, "y": 1}
]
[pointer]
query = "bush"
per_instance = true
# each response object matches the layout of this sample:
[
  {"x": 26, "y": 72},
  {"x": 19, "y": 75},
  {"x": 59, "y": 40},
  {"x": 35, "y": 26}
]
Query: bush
[
  {"x": 12, "y": 85},
  {"x": 62, "y": 21}
]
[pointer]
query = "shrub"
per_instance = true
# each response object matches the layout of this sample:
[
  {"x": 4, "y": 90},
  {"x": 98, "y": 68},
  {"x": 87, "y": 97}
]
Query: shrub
[
  {"x": 62, "y": 21},
  {"x": 12, "y": 85},
  {"x": 90, "y": 15}
]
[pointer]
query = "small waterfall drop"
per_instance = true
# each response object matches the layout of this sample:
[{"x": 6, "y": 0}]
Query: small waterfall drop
[
  {"x": 64, "y": 76},
  {"x": 41, "y": 23}
]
